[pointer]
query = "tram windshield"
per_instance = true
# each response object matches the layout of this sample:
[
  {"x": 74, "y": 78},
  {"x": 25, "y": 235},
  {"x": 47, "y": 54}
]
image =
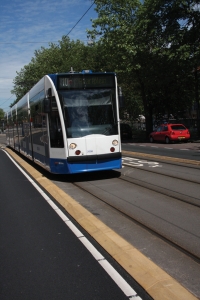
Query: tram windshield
[{"x": 89, "y": 112}]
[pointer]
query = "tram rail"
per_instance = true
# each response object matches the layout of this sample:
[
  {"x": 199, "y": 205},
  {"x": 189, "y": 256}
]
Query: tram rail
[
  {"x": 165, "y": 191},
  {"x": 174, "y": 196},
  {"x": 147, "y": 227}
]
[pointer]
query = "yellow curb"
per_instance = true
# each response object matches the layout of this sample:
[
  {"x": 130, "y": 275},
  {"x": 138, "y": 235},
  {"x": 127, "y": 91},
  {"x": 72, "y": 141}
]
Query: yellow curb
[
  {"x": 163, "y": 158},
  {"x": 158, "y": 284}
]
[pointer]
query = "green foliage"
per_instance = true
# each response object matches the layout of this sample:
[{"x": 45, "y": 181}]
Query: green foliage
[
  {"x": 153, "y": 46},
  {"x": 1, "y": 114},
  {"x": 55, "y": 59}
]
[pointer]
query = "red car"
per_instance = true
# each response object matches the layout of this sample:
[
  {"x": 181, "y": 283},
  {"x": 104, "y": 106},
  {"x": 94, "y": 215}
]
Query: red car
[{"x": 170, "y": 133}]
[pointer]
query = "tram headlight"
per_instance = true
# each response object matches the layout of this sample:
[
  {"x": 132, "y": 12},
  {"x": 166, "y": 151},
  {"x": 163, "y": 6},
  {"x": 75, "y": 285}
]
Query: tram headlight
[
  {"x": 115, "y": 142},
  {"x": 72, "y": 146}
]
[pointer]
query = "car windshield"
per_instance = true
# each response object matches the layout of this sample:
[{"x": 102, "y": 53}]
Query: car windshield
[
  {"x": 89, "y": 112},
  {"x": 178, "y": 127}
]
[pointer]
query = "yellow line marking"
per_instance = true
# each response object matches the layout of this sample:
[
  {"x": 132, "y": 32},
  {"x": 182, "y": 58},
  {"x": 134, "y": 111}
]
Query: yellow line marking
[{"x": 152, "y": 278}]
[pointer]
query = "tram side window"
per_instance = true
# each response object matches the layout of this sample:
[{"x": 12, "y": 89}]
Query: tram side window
[{"x": 56, "y": 135}]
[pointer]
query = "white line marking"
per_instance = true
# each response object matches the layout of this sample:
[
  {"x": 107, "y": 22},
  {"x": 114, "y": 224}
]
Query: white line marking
[
  {"x": 133, "y": 164},
  {"x": 148, "y": 162},
  {"x": 155, "y": 166},
  {"x": 97, "y": 255},
  {"x": 130, "y": 158},
  {"x": 129, "y": 161},
  {"x": 184, "y": 149},
  {"x": 119, "y": 280}
]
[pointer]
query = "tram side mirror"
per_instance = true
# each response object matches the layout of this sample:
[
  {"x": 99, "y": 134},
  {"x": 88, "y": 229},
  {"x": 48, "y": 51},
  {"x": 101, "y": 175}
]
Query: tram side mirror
[
  {"x": 47, "y": 105},
  {"x": 49, "y": 92},
  {"x": 121, "y": 97}
]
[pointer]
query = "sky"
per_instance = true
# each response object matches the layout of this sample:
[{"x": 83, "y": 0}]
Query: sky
[{"x": 27, "y": 25}]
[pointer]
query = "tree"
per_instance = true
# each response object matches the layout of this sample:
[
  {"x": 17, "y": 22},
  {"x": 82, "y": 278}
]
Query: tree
[
  {"x": 58, "y": 58},
  {"x": 115, "y": 26},
  {"x": 1, "y": 114},
  {"x": 173, "y": 28},
  {"x": 153, "y": 46},
  {"x": 149, "y": 45}
]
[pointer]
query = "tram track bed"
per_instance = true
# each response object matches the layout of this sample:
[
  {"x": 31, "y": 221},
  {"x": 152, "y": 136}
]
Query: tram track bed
[
  {"x": 171, "y": 183},
  {"x": 159, "y": 221},
  {"x": 152, "y": 207}
]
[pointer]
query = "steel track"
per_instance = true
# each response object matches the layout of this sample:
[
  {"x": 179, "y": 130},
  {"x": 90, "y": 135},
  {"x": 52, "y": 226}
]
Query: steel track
[
  {"x": 161, "y": 190},
  {"x": 142, "y": 224}
]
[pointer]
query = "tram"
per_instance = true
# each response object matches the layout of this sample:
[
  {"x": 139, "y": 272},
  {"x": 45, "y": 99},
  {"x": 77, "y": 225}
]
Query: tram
[{"x": 69, "y": 123}]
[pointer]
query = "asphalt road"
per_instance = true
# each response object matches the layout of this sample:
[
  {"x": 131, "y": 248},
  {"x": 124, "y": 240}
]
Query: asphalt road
[
  {"x": 40, "y": 257},
  {"x": 143, "y": 244},
  {"x": 178, "y": 150}
]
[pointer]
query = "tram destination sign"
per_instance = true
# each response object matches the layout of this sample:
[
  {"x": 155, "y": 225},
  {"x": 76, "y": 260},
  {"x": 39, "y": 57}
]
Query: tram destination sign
[{"x": 82, "y": 81}]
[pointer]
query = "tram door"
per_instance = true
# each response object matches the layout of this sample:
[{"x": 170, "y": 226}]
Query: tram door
[
  {"x": 39, "y": 133},
  {"x": 45, "y": 139}
]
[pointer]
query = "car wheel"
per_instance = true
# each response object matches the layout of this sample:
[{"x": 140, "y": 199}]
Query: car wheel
[
  {"x": 151, "y": 139},
  {"x": 167, "y": 140}
]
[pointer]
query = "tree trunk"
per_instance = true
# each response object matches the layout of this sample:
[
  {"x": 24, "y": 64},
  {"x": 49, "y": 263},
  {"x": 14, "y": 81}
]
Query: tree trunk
[
  {"x": 148, "y": 110},
  {"x": 197, "y": 98}
]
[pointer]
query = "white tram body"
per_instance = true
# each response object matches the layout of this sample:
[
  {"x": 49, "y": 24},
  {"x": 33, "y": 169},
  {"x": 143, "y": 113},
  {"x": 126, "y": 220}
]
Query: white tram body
[{"x": 69, "y": 123}]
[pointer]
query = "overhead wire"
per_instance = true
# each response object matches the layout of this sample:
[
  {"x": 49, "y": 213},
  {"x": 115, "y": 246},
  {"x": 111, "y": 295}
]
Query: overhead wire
[
  {"x": 51, "y": 41},
  {"x": 7, "y": 100},
  {"x": 81, "y": 18}
]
